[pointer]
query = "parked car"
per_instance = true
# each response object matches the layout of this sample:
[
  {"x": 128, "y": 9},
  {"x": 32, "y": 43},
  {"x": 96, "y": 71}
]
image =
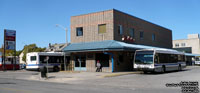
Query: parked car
[{"x": 22, "y": 66}]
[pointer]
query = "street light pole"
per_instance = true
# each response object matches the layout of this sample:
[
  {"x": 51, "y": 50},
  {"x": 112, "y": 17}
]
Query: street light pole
[
  {"x": 57, "y": 25},
  {"x": 65, "y": 62}
]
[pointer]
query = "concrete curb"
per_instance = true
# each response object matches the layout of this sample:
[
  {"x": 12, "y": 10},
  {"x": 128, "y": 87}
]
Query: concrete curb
[
  {"x": 120, "y": 74},
  {"x": 70, "y": 71}
]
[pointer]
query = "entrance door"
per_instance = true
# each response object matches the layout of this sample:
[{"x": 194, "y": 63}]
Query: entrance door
[
  {"x": 103, "y": 59},
  {"x": 80, "y": 63}
]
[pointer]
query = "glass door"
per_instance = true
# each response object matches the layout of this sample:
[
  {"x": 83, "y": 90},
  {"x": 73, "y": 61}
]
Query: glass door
[{"x": 80, "y": 63}]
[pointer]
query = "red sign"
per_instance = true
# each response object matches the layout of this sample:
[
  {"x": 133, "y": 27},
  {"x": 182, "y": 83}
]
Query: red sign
[
  {"x": 10, "y": 38},
  {"x": 128, "y": 39}
]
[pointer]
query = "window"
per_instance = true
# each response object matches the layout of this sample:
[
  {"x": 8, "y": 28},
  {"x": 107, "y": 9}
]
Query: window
[
  {"x": 176, "y": 45},
  {"x": 183, "y": 44},
  {"x": 120, "y": 29},
  {"x": 52, "y": 59},
  {"x": 169, "y": 58},
  {"x": 33, "y": 58},
  {"x": 121, "y": 58},
  {"x": 102, "y": 28},
  {"x": 181, "y": 58},
  {"x": 141, "y": 35},
  {"x": 153, "y": 37},
  {"x": 79, "y": 31},
  {"x": 80, "y": 61},
  {"x": 132, "y": 32},
  {"x": 144, "y": 57}
]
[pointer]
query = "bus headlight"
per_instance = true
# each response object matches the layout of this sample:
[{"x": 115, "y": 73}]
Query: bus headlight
[{"x": 151, "y": 66}]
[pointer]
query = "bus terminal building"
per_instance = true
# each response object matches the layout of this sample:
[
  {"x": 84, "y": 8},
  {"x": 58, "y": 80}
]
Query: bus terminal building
[{"x": 112, "y": 37}]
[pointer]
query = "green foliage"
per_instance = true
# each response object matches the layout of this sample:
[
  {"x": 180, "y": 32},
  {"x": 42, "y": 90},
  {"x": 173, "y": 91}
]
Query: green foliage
[
  {"x": 27, "y": 49},
  {"x": 10, "y": 52},
  {"x": 18, "y": 52},
  {"x": 31, "y": 48}
]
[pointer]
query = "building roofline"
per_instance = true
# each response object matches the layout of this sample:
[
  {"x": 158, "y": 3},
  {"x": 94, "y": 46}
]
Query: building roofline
[
  {"x": 185, "y": 39},
  {"x": 125, "y": 14},
  {"x": 141, "y": 19},
  {"x": 179, "y": 39},
  {"x": 93, "y": 12}
]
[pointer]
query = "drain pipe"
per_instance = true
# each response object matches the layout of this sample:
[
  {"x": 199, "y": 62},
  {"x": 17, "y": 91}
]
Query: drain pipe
[{"x": 112, "y": 59}]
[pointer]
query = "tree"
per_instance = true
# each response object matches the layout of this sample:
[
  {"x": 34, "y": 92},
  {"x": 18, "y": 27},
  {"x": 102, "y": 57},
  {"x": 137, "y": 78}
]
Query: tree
[
  {"x": 10, "y": 52},
  {"x": 31, "y": 48}
]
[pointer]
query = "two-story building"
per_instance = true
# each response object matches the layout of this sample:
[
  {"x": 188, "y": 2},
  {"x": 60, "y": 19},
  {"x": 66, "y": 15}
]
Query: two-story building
[
  {"x": 112, "y": 37},
  {"x": 189, "y": 45}
]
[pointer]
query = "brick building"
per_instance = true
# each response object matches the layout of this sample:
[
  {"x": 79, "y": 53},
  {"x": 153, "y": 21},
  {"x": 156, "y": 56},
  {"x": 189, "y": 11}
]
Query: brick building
[
  {"x": 114, "y": 25},
  {"x": 112, "y": 37}
]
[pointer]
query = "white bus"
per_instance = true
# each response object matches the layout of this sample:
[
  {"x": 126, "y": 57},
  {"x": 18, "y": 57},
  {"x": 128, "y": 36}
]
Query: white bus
[
  {"x": 159, "y": 60},
  {"x": 197, "y": 60},
  {"x": 36, "y": 60}
]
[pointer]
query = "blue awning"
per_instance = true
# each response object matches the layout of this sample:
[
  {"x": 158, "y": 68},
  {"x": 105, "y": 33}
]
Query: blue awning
[{"x": 107, "y": 45}]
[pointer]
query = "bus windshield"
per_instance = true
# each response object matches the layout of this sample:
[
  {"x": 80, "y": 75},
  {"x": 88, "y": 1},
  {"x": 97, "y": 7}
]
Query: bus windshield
[
  {"x": 144, "y": 57},
  {"x": 198, "y": 59}
]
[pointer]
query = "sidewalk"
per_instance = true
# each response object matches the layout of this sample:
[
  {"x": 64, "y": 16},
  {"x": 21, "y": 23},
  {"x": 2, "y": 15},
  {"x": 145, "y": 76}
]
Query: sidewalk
[
  {"x": 62, "y": 76},
  {"x": 67, "y": 77}
]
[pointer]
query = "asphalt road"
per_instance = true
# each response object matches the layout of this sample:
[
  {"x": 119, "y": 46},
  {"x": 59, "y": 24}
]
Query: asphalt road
[{"x": 133, "y": 83}]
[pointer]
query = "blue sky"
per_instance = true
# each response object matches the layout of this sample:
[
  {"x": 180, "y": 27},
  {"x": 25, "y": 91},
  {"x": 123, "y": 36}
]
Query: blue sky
[{"x": 35, "y": 20}]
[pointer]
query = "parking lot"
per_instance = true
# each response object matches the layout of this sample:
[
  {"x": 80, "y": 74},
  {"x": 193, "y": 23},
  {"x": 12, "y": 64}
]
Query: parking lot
[{"x": 90, "y": 82}]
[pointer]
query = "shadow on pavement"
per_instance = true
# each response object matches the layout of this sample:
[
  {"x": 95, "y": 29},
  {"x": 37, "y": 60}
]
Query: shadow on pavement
[
  {"x": 167, "y": 72},
  {"x": 7, "y": 83}
]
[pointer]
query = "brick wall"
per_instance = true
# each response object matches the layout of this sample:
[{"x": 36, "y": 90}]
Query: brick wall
[
  {"x": 163, "y": 36},
  {"x": 90, "y": 23},
  {"x": 113, "y": 18}
]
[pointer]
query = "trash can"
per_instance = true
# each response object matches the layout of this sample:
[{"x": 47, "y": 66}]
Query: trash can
[{"x": 43, "y": 72}]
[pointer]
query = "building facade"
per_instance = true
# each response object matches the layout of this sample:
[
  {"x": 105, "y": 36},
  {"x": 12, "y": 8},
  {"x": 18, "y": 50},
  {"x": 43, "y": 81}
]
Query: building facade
[
  {"x": 189, "y": 45},
  {"x": 111, "y": 37},
  {"x": 115, "y": 25}
]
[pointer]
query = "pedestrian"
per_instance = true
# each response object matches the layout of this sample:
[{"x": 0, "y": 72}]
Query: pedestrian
[
  {"x": 44, "y": 72},
  {"x": 98, "y": 66},
  {"x": 101, "y": 68}
]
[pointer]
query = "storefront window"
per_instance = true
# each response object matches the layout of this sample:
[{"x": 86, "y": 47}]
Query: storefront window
[{"x": 103, "y": 59}]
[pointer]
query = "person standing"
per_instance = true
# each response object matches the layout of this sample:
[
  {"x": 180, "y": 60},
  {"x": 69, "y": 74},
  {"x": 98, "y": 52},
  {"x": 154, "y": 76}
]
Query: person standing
[{"x": 98, "y": 66}]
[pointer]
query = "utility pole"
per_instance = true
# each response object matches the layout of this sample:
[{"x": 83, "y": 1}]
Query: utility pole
[
  {"x": 4, "y": 51},
  {"x": 57, "y": 25}
]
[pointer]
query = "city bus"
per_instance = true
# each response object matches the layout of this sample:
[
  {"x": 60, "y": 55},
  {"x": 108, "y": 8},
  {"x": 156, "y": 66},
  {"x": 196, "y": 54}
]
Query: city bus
[
  {"x": 36, "y": 60},
  {"x": 197, "y": 60},
  {"x": 158, "y": 60}
]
